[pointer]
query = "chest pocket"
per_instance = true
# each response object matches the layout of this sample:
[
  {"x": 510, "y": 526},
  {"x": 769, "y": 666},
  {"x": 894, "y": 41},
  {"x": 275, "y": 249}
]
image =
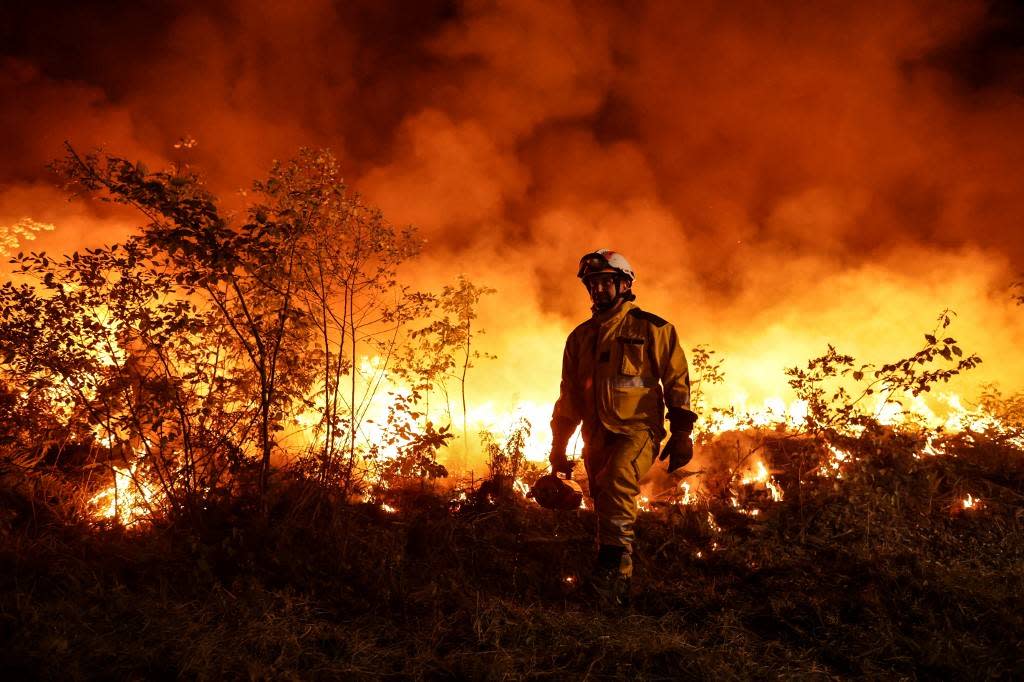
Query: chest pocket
[{"x": 632, "y": 356}]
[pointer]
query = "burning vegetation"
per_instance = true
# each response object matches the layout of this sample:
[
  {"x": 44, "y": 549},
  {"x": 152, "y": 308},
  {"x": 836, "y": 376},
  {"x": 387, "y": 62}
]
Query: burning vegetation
[{"x": 248, "y": 426}]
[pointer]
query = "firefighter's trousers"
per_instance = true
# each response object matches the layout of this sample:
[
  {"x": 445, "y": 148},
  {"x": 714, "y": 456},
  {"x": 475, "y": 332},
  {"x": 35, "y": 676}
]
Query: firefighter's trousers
[{"x": 615, "y": 464}]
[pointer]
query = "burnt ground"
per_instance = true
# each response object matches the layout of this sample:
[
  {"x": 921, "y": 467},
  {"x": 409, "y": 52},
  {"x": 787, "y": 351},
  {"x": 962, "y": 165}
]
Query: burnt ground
[{"x": 880, "y": 574}]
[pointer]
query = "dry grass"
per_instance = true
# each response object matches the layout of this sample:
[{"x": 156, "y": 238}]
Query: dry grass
[{"x": 877, "y": 575}]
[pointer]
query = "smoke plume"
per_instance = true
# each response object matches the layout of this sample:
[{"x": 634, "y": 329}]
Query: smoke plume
[{"x": 781, "y": 174}]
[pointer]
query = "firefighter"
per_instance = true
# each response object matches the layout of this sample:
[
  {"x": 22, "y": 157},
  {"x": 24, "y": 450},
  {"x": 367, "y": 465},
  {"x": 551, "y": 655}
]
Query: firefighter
[{"x": 620, "y": 370}]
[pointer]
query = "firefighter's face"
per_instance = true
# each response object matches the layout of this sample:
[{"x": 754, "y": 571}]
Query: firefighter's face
[{"x": 604, "y": 288}]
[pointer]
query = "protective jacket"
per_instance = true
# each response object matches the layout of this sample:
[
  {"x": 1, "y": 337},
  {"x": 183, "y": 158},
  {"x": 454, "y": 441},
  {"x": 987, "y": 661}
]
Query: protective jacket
[{"x": 620, "y": 370}]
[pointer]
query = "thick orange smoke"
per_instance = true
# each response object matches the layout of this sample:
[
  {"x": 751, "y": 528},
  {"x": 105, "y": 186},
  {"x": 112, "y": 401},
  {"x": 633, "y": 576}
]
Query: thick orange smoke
[{"x": 782, "y": 175}]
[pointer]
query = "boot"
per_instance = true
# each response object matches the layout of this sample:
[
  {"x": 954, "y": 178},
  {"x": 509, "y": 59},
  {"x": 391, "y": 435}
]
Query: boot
[
  {"x": 610, "y": 581},
  {"x": 610, "y": 588}
]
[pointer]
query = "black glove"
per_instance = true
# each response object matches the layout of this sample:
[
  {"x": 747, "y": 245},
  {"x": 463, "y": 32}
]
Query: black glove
[
  {"x": 561, "y": 432},
  {"x": 679, "y": 448},
  {"x": 560, "y": 464}
]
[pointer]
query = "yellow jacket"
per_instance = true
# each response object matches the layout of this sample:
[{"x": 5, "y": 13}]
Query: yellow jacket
[{"x": 620, "y": 370}]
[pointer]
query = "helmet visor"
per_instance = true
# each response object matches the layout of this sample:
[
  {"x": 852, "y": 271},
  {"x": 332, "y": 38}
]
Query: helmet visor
[{"x": 593, "y": 263}]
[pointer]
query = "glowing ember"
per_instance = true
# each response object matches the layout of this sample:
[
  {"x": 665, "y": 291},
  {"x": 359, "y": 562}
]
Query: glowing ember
[
  {"x": 388, "y": 508},
  {"x": 971, "y": 502}
]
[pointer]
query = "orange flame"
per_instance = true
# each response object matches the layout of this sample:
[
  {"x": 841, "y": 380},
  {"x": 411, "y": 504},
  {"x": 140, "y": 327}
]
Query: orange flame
[{"x": 129, "y": 500}]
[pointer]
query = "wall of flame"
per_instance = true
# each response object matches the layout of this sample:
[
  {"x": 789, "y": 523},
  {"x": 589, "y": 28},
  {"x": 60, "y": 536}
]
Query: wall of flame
[{"x": 782, "y": 175}]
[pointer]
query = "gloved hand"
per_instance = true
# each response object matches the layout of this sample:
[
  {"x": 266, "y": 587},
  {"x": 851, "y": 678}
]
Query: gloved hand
[
  {"x": 679, "y": 448},
  {"x": 561, "y": 432},
  {"x": 560, "y": 464}
]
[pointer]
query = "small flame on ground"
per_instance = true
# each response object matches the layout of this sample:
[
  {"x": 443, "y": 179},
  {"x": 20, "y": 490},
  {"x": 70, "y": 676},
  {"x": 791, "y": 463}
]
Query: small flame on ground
[
  {"x": 712, "y": 525},
  {"x": 760, "y": 475},
  {"x": 971, "y": 502},
  {"x": 519, "y": 485}
]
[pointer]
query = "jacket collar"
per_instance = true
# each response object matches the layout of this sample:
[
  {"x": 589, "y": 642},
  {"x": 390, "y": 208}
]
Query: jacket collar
[{"x": 616, "y": 311}]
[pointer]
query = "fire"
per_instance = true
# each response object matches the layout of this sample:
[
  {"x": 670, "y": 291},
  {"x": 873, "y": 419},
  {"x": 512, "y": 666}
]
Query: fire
[
  {"x": 520, "y": 487},
  {"x": 501, "y": 198},
  {"x": 834, "y": 465},
  {"x": 712, "y": 524},
  {"x": 498, "y": 418},
  {"x": 497, "y": 406},
  {"x": 129, "y": 500},
  {"x": 761, "y": 476},
  {"x": 932, "y": 448},
  {"x": 945, "y": 413},
  {"x": 686, "y": 498},
  {"x": 772, "y": 412}
]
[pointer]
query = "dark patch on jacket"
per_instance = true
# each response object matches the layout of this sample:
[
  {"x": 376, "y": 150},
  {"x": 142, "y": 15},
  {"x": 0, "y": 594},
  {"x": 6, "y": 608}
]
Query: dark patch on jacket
[{"x": 650, "y": 317}]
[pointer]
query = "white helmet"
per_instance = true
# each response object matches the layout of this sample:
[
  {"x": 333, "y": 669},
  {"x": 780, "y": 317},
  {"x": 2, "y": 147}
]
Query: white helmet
[{"x": 605, "y": 260}]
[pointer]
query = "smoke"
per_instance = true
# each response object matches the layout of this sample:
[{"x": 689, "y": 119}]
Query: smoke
[{"x": 781, "y": 175}]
